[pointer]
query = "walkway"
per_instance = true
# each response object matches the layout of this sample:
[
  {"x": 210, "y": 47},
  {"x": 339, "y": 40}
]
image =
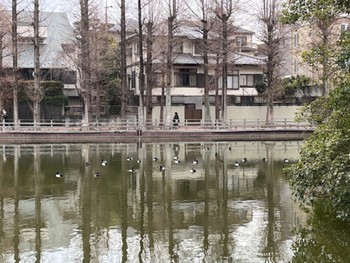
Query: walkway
[{"x": 107, "y": 132}]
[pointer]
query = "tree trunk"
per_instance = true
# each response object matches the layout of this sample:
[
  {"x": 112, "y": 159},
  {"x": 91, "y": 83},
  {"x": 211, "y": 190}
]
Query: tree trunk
[
  {"x": 37, "y": 92},
  {"x": 217, "y": 98},
  {"x": 169, "y": 81},
  {"x": 224, "y": 69},
  {"x": 15, "y": 63},
  {"x": 162, "y": 101},
  {"x": 207, "y": 118},
  {"x": 123, "y": 61},
  {"x": 141, "y": 74},
  {"x": 85, "y": 62},
  {"x": 149, "y": 73}
]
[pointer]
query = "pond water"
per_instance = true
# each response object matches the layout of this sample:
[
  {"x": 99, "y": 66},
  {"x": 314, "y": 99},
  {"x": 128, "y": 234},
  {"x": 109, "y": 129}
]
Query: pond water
[{"x": 219, "y": 213}]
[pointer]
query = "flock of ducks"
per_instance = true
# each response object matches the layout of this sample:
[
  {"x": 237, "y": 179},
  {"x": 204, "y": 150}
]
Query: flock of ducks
[{"x": 161, "y": 167}]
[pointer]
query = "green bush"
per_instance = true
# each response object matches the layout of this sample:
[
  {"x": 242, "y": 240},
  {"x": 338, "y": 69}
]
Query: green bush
[
  {"x": 322, "y": 173},
  {"x": 53, "y": 92}
]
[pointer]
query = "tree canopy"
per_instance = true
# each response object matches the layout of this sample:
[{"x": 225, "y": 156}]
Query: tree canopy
[{"x": 322, "y": 174}]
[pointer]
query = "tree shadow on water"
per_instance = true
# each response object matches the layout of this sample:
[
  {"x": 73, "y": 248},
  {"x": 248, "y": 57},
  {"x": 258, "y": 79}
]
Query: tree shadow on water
[{"x": 325, "y": 239}]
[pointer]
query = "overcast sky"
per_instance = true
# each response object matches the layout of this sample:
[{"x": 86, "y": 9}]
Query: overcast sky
[{"x": 245, "y": 17}]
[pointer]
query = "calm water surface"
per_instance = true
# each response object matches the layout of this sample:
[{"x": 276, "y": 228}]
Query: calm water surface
[{"x": 220, "y": 213}]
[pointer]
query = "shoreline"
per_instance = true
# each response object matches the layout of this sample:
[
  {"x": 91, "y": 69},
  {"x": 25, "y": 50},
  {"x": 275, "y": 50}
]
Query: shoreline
[{"x": 40, "y": 137}]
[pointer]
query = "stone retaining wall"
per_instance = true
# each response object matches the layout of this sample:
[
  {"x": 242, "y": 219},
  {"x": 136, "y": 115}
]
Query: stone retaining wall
[{"x": 150, "y": 136}]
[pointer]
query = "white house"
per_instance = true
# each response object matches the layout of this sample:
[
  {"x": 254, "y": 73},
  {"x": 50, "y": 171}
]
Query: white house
[{"x": 187, "y": 92}]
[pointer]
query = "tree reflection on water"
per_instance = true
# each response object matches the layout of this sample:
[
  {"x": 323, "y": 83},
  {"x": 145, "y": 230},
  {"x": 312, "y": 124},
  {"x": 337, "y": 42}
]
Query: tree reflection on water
[
  {"x": 219, "y": 213},
  {"x": 325, "y": 239}
]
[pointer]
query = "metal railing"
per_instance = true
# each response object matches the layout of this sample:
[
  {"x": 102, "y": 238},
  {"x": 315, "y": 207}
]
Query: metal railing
[{"x": 133, "y": 125}]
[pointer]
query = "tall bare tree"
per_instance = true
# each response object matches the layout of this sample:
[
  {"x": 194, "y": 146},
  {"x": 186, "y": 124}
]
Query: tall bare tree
[
  {"x": 271, "y": 37},
  {"x": 37, "y": 94},
  {"x": 141, "y": 62},
  {"x": 5, "y": 80},
  {"x": 15, "y": 62},
  {"x": 85, "y": 60},
  {"x": 124, "y": 83},
  {"x": 149, "y": 65},
  {"x": 172, "y": 15},
  {"x": 224, "y": 10},
  {"x": 204, "y": 15}
]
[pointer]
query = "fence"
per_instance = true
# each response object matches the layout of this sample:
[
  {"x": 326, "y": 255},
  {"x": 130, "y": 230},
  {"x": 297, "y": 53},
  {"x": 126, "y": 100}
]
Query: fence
[{"x": 132, "y": 125}]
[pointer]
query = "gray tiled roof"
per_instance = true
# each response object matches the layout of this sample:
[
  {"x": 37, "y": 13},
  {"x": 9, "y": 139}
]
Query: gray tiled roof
[{"x": 235, "y": 58}]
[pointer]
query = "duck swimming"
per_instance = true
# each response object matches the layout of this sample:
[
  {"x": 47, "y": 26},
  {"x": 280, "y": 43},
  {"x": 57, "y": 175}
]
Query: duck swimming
[
  {"x": 132, "y": 170},
  {"x": 59, "y": 175}
]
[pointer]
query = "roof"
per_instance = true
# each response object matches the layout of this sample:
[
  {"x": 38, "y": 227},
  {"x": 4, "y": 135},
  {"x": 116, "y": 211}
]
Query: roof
[
  {"x": 234, "y": 58},
  {"x": 189, "y": 30},
  {"x": 58, "y": 31}
]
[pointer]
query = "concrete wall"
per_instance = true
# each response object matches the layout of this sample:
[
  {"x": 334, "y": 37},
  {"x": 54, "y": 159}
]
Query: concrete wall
[{"x": 239, "y": 113}]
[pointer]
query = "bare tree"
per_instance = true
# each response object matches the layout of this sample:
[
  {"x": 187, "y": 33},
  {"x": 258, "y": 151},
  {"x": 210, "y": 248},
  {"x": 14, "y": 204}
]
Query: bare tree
[
  {"x": 205, "y": 18},
  {"x": 37, "y": 93},
  {"x": 123, "y": 60},
  {"x": 99, "y": 45},
  {"x": 85, "y": 60},
  {"x": 173, "y": 12},
  {"x": 224, "y": 10},
  {"x": 141, "y": 62},
  {"x": 5, "y": 80},
  {"x": 149, "y": 64},
  {"x": 15, "y": 62},
  {"x": 271, "y": 37}
]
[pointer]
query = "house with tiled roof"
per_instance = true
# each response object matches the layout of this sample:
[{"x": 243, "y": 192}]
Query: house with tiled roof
[{"x": 187, "y": 91}]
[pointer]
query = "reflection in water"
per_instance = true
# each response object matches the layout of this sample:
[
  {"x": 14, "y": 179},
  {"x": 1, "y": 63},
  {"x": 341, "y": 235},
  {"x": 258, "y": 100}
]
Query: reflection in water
[
  {"x": 219, "y": 213},
  {"x": 327, "y": 240}
]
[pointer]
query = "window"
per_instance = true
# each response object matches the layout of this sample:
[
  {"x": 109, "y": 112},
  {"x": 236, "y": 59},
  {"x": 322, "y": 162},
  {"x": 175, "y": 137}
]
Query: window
[
  {"x": 232, "y": 82},
  {"x": 241, "y": 41},
  {"x": 132, "y": 80},
  {"x": 186, "y": 78},
  {"x": 296, "y": 40},
  {"x": 246, "y": 80},
  {"x": 178, "y": 48},
  {"x": 198, "y": 47}
]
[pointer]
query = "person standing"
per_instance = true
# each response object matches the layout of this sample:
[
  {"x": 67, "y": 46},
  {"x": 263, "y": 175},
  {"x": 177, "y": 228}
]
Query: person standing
[
  {"x": 176, "y": 119},
  {"x": 4, "y": 114}
]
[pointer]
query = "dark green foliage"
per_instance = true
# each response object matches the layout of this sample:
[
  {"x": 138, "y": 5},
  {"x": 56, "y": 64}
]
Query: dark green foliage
[
  {"x": 113, "y": 97},
  {"x": 344, "y": 56},
  {"x": 52, "y": 90},
  {"x": 53, "y": 93},
  {"x": 325, "y": 240},
  {"x": 293, "y": 84},
  {"x": 261, "y": 87},
  {"x": 310, "y": 11},
  {"x": 323, "y": 171}
]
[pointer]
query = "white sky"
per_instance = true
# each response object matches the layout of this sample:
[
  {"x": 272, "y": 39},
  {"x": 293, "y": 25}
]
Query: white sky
[{"x": 244, "y": 18}]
